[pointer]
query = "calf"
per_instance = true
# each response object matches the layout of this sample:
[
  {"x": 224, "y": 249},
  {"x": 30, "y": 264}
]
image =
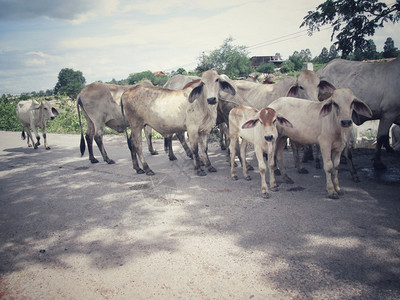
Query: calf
[
  {"x": 259, "y": 128},
  {"x": 193, "y": 109},
  {"x": 327, "y": 123},
  {"x": 33, "y": 114}
]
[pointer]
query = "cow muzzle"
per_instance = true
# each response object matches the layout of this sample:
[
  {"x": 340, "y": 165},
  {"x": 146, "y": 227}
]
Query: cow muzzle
[
  {"x": 51, "y": 118},
  {"x": 212, "y": 101},
  {"x": 269, "y": 138},
  {"x": 346, "y": 123}
]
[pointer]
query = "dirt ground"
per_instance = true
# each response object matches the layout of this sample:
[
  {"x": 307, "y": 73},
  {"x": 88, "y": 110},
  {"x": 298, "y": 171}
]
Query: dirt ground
[{"x": 74, "y": 230}]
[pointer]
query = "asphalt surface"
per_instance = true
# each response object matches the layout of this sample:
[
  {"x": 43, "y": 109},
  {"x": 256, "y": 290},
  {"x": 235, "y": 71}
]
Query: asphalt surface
[{"x": 75, "y": 230}]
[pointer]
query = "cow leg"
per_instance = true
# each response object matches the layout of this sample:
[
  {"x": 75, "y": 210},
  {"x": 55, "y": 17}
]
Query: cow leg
[
  {"x": 181, "y": 138},
  {"x": 272, "y": 181},
  {"x": 349, "y": 159},
  {"x": 297, "y": 162},
  {"x": 243, "y": 147},
  {"x": 29, "y": 138},
  {"x": 98, "y": 137},
  {"x": 36, "y": 145},
  {"x": 147, "y": 133},
  {"x": 336, "y": 153},
  {"x": 194, "y": 147},
  {"x": 89, "y": 140},
  {"x": 262, "y": 168},
  {"x": 232, "y": 152},
  {"x": 222, "y": 135},
  {"x": 330, "y": 171},
  {"x": 137, "y": 145},
  {"x": 204, "y": 152},
  {"x": 280, "y": 145},
  {"x": 46, "y": 146},
  {"x": 168, "y": 148},
  {"x": 382, "y": 140}
]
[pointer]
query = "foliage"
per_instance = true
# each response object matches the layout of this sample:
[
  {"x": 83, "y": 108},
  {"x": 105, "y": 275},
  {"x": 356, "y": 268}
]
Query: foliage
[
  {"x": 266, "y": 68},
  {"x": 352, "y": 20},
  {"x": 389, "y": 50},
  {"x": 158, "y": 80},
  {"x": 369, "y": 52},
  {"x": 8, "y": 118},
  {"x": 287, "y": 66},
  {"x": 228, "y": 59},
  {"x": 70, "y": 83}
]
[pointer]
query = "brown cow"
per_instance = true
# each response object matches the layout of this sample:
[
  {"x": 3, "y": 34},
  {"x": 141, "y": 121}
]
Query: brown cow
[
  {"x": 327, "y": 123},
  {"x": 100, "y": 104},
  {"x": 258, "y": 128},
  {"x": 193, "y": 109}
]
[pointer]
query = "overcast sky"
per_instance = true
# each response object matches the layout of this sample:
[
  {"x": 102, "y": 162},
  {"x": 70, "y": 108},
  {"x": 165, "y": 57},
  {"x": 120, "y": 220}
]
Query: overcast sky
[{"x": 106, "y": 39}]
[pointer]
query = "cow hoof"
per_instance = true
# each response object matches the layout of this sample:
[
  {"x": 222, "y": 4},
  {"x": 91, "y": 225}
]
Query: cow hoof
[
  {"x": 172, "y": 158},
  {"x": 378, "y": 165},
  {"x": 265, "y": 195},
  {"x": 212, "y": 169},
  {"x": 250, "y": 167},
  {"x": 93, "y": 160},
  {"x": 274, "y": 189},
  {"x": 110, "y": 162},
  {"x": 248, "y": 178},
  {"x": 154, "y": 152},
  {"x": 139, "y": 171},
  {"x": 334, "y": 196},
  {"x": 235, "y": 177},
  {"x": 201, "y": 173},
  {"x": 288, "y": 180},
  {"x": 35, "y": 146},
  {"x": 48, "y": 148},
  {"x": 303, "y": 171},
  {"x": 277, "y": 172},
  {"x": 150, "y": 173},
  {"x": 223, "y": 147}
]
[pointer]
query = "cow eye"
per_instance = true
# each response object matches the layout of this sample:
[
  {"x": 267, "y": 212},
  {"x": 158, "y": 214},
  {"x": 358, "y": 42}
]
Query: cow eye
[
  {"x": 301, "y": 87},
  {"x": 216, "y": 80}
]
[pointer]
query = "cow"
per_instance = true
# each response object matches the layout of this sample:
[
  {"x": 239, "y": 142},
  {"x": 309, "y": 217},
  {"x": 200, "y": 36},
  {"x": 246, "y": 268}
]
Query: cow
[
  {"x": 193, "y": 109},
  {"x": 100, "y": 104},
  {"x": 306, "y": 85},
  {"x": 396, "y": 137},
  {"x": 257, "y": 127},
  {"x": 375, "y": 83},
  {"x": 327, "y": 123},
  {"x": 33, "y": 114},
  {"x": 178, "y": 82}
]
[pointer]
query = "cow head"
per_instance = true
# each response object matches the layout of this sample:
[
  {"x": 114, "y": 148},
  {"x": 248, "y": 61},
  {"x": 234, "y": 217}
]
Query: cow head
[
  {"x": 267, "y": 118},
  {"x": 342, "y": 104},
  {"x": 48, "y": 111},
  {"x": 309, "y": 86},
  {"x": 209, "y": 86}
]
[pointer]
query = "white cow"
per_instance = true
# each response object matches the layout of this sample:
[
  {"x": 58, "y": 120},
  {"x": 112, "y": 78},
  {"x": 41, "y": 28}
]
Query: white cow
[
  {"x": 327, "y": 123},
  {"x": 33, "y": 114},
  {"x": 257, "y": 127},
  {"x": 193, "y": 109}
]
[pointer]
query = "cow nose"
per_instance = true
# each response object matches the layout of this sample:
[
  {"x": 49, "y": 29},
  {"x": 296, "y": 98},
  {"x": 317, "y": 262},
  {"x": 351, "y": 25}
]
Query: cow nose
[
  {"x": 346, "y": 123},
  {"x": 268, "y": 138},
  {"x": 212, "y": 100},
  {"x": 51, "y": 118}
]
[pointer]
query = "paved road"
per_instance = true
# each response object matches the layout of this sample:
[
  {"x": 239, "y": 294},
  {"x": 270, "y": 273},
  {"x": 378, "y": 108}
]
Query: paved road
[{"x": 70, "y": 229}]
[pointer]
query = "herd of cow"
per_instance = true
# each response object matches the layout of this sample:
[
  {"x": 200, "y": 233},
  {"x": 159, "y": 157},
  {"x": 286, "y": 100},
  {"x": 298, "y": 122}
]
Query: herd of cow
[{"x": 313, "y": 108}]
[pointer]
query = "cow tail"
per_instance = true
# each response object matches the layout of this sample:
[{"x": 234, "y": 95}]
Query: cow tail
[
  {"x": 167, "y": 142},
  {"x": 82, "y": 146},
  {"x": 23, "y": 137},
  {"x": 128, "y": 140}
]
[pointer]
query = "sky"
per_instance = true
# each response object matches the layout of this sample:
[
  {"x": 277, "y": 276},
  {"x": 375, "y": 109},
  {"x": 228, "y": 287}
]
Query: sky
[{"x": 106, "y": 39}]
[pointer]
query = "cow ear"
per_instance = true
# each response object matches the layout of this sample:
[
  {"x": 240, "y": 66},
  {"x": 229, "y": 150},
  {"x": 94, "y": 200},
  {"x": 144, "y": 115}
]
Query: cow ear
[
  {"x": 227, "y": 87},
  {"x": 284, "y": 122},
  {"x": 361, "y": 108},
  {"x": 196, "y": 92},
  {"x": 54, "y": 111},
  {"x": 325, "y": 87},
  {"x": 250, "y": 123},
  {"x": 293, "y": 92},
  {"x": 326, "y": 109}
]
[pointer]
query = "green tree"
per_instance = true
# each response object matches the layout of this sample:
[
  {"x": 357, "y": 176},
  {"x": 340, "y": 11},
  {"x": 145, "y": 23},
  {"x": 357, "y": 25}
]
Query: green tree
[
  {"x": 70, "y": 82},
  {"x": 135, "y": 78},
  {"x": 333, "y": 53},
  {"x": 287, "y": 66},
  {"x": 266, "y": 68},
  {"x": 352, "y": 20},
  {"x": 323, "y": 57},
  {"x": 228, "y": 59},
  {"x": 389, "y": 50}
]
